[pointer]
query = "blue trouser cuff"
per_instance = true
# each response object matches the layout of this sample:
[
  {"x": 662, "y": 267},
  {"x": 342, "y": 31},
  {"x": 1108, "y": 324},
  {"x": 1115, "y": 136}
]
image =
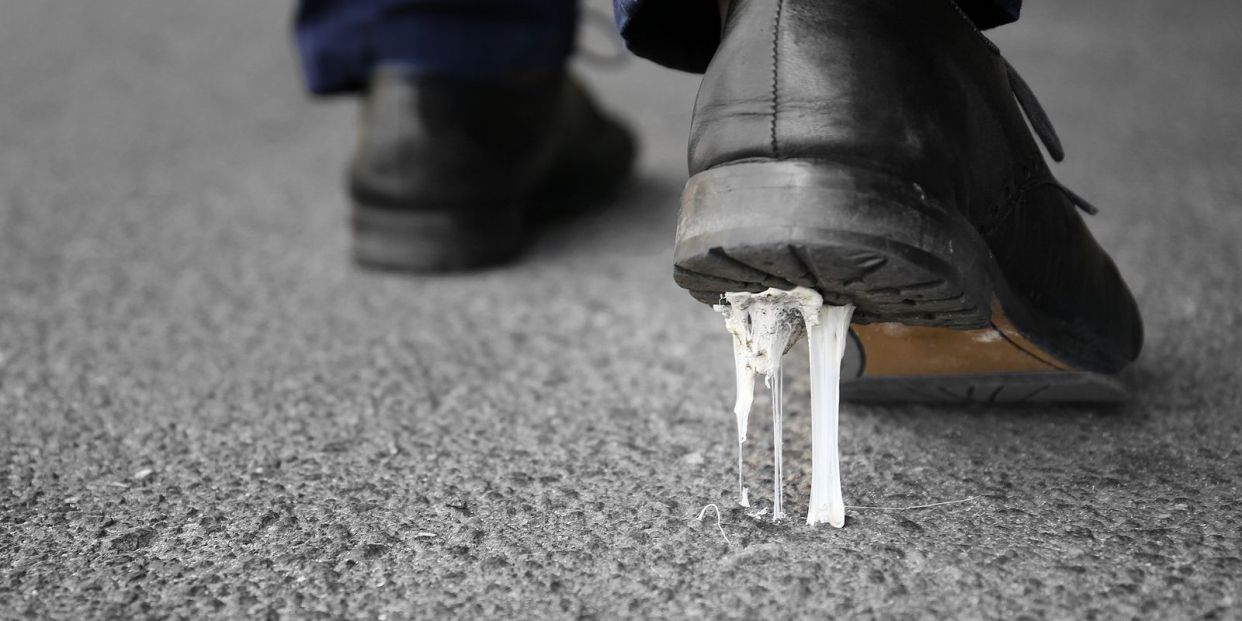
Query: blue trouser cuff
[{"x": 341, "y": 42}]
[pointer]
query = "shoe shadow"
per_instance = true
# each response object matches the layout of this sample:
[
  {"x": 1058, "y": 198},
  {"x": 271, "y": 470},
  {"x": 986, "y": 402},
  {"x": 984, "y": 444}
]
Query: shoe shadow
[{"x": 636, "y": 219}]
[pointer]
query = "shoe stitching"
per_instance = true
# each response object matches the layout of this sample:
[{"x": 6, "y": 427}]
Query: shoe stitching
[
  {"x": 776, "y": 33},
  {"x": 986, "y": 41},
  {"x": 1027, "y": 179},
  {"x": 1011, "y": 197}
]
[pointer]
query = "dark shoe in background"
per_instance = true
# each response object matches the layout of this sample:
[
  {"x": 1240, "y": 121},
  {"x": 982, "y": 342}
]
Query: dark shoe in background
[
  {"x": 455, "y": 174},
  {"x": 879, "y": 153}
]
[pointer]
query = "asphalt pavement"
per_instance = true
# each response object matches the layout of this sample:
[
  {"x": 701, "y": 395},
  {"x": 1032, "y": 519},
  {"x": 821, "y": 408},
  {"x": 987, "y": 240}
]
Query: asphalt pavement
[{"x": 207, "y": 412}]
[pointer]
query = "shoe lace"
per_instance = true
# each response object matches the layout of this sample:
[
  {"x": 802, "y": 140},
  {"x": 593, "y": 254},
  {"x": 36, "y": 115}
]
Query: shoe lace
[
  {"x": 1047, "y": 134},
  {"x": 1035, "y": 114}
]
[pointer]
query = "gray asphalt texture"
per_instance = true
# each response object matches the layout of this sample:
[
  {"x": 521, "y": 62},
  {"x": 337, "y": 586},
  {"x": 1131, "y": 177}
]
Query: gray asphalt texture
[{"x": 206, "y": 412}]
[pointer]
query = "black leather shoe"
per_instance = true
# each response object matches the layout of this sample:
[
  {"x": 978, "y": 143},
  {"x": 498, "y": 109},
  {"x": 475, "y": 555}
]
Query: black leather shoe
[
  {"x": 878, "y": 152},
  {"x": 454, "y": 174}
]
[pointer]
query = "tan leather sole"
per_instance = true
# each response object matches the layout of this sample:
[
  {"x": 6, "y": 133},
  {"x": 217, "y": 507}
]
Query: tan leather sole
[
  {"x": 894, "y": 349},
  {"x": 995, "y": 364}
]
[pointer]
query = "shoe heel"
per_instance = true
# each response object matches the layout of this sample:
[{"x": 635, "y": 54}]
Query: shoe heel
[{"x": 856, "y": 236}]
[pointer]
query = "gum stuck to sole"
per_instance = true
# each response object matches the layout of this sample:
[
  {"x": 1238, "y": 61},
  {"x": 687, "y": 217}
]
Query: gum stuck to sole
[{"x": 764, "y": 326}]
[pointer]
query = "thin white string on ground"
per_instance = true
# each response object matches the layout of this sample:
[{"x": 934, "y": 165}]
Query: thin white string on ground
[
  {"x": 718, "y": 526},
  {"x": 934, "y": 504}
]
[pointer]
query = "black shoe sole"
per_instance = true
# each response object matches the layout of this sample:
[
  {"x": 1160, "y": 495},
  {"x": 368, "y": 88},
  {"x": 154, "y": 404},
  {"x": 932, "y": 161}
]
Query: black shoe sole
[
  {"x": 934, "y": 318},
  {"x": 436, "y": 241}
]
